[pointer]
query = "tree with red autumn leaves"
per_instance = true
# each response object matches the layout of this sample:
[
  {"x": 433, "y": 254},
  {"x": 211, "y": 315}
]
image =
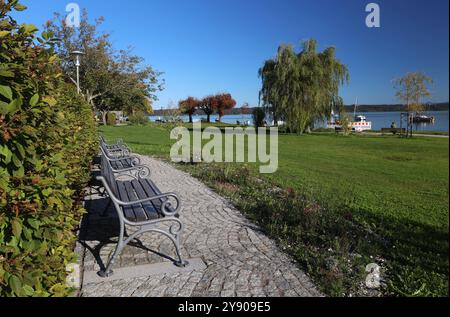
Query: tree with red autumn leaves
[
  {"x": 224, "y": 102},
  {"x": 216, "y": 104},
  {"x": 208, "y": 105},
  {"x": 189, "y": 106}
]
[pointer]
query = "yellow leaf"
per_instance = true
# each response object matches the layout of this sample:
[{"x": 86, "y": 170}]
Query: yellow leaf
[{"x": 49, "y": 100}]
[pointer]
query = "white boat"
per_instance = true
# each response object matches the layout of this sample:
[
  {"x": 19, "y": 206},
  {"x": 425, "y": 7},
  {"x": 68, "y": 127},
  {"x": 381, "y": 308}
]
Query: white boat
[{"x": 361, "y": 124}]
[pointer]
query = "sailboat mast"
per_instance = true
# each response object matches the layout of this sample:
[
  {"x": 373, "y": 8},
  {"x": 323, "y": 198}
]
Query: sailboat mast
[{"x": 356, "y": 106}]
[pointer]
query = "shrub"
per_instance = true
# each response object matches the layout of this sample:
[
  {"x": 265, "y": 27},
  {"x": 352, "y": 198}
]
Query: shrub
[
  {"x": 48, "y": 138},
  {"x": 258, "y": 117},
  {"x": 111, "y": 118},
  {"x": 138, "y": 118},
  {"x": 346, "y": 123}
]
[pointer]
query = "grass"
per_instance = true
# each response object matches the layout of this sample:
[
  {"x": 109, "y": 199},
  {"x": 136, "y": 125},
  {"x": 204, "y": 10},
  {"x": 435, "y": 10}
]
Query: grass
[{"x": 381, "y": 199}]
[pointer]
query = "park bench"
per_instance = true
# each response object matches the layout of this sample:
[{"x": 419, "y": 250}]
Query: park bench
[
  {"x": 141, "y": 205},
  {"x": 116, "y": 147},
  {"x": 119, "y": 152},
  {"x": 121, "y": 162},
  {"x": 393, "y": 130}
]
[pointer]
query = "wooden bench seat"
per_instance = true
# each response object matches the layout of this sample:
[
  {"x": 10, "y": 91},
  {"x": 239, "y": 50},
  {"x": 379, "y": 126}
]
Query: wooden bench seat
[{"x": 138, "y": 190}]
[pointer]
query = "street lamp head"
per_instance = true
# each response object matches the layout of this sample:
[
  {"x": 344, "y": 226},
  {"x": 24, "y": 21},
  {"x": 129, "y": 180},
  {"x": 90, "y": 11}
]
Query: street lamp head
[{"x": 77, "y": 55}]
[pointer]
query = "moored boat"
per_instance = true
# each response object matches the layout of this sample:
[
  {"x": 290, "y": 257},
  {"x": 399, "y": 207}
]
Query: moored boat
[{"x": 423, "y": 119}]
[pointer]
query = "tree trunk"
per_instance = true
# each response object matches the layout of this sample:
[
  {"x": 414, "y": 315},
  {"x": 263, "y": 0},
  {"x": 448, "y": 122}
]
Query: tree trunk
[
  {"x": 209, "y": 118},
  {"x": 104, "y": 114},
  {"x": 190, "y": 118}
]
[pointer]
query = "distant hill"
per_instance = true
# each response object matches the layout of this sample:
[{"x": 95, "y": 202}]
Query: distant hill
[
  {"x": 396, "y": 108},
  {"x": 443, "y": 106}
]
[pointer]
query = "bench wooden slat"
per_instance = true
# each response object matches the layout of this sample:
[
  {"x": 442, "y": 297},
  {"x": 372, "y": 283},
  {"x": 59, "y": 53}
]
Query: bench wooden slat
[
  {"x": 122, "y": 164},
  {"x": 149, "y": 209},
  {"x": 138, "y": 208},
  {"x": 127, "y": 210},
  {"x": 152, "y": 190}
]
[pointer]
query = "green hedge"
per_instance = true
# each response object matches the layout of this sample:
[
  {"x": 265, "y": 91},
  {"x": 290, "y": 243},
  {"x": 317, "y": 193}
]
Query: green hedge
[
  {"x": 111, "y": 118},
  {"x": 138, "y": 118},
  {"x": 47, "y": 141}
]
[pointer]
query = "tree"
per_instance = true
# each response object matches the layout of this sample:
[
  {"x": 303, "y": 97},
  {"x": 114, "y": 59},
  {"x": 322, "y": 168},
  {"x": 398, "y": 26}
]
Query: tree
[
  {"x": 302, "y": 87},
  {"x": 110, "y": 79},
  {"x": 189, "y": 106},
  {"x": 259, "y": 116},
  {"x": 208, "y": 105},
  {"x": 172, "y": 113},
  {"x": 223, "y": 102},
  {"x": 411, "y": 88},
  {"x": 268, "y": 97}
]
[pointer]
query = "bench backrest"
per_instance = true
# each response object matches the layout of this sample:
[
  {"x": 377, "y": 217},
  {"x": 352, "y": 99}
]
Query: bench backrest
[{"x": 108, "y": 174}]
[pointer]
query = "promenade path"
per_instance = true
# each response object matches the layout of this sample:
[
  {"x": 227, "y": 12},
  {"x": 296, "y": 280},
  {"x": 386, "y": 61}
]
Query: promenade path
[{"x": 229, "y": 256}]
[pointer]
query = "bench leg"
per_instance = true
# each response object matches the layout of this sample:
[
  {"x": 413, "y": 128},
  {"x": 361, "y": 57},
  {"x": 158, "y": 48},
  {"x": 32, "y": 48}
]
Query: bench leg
[
  {"x": 180, "y": 262},
  {"x": 173, "y": 235},
  {"x": 176, "y": 232},
  {"x": 107, "y": 272}
]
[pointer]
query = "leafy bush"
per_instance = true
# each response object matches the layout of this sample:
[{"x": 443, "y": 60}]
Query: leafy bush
[
  {"x": 48, "y": 139},
  {"x": 138, "y": 118},
  {"x": 111, "y": 118},
  {"x": 346, "y": 123},
  {"x": 258, "y": 117}
]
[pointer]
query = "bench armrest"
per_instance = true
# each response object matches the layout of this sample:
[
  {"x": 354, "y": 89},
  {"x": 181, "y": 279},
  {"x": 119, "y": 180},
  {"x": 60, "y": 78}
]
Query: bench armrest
[
  {"x": 141, "y": 171},
  {"x": 135, "y": 160}
]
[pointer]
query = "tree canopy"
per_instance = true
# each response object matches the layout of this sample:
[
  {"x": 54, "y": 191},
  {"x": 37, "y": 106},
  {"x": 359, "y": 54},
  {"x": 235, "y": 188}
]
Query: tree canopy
[
  {"x": 218, "y": 103},
  {"x": 411, "y": 88},
  {"x": 189, "y": 106},
  {"x": 302, "y": 87},
  {"x": 110, "y": 79}
]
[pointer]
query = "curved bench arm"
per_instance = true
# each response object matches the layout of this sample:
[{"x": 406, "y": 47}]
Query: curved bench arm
[
  {"x": 142, "y": 171},
  {"x": 135, "y": 160}
]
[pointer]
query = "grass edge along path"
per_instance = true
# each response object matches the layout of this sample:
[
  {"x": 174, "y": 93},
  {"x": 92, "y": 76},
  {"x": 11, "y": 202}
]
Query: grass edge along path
[{"x": 332, "y": 241}]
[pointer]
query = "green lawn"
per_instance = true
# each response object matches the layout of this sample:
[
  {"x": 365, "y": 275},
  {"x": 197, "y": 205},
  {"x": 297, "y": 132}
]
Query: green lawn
[{"x": 397, "y": 187}]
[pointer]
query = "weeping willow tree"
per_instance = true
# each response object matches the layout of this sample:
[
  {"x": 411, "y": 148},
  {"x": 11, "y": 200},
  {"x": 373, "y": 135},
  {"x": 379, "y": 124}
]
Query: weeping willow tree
[{"x": 300, "y": 88}]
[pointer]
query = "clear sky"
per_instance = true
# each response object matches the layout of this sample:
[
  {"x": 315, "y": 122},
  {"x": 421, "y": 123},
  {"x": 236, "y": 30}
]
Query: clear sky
[{"x": 209, "y": 46}]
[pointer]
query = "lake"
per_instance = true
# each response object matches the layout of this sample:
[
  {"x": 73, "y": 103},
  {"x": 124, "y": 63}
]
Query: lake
[{"x": 379, "y": 120}]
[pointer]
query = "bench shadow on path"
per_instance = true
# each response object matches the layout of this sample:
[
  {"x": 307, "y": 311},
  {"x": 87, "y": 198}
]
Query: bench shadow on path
[{"x": 100, "y": 226}]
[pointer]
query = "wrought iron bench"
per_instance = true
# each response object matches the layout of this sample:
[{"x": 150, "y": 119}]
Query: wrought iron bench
[
  {"x": 118, "y": 145},
  {"x": 120, "y": 163},
  {"x": 119, "y": 152},
  {"x": 141, "y": 205}
]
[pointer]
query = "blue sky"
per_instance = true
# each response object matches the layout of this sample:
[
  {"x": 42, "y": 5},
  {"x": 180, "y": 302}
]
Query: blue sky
[{"x": 209, "y": 46}]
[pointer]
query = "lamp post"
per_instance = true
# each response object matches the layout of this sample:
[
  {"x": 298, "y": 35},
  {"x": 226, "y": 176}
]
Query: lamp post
[{"x": 77, "y": 55}]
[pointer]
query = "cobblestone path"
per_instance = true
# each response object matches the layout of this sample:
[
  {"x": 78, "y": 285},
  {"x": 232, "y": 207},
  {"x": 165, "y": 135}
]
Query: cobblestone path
[{"x": 238, "y": 259}]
